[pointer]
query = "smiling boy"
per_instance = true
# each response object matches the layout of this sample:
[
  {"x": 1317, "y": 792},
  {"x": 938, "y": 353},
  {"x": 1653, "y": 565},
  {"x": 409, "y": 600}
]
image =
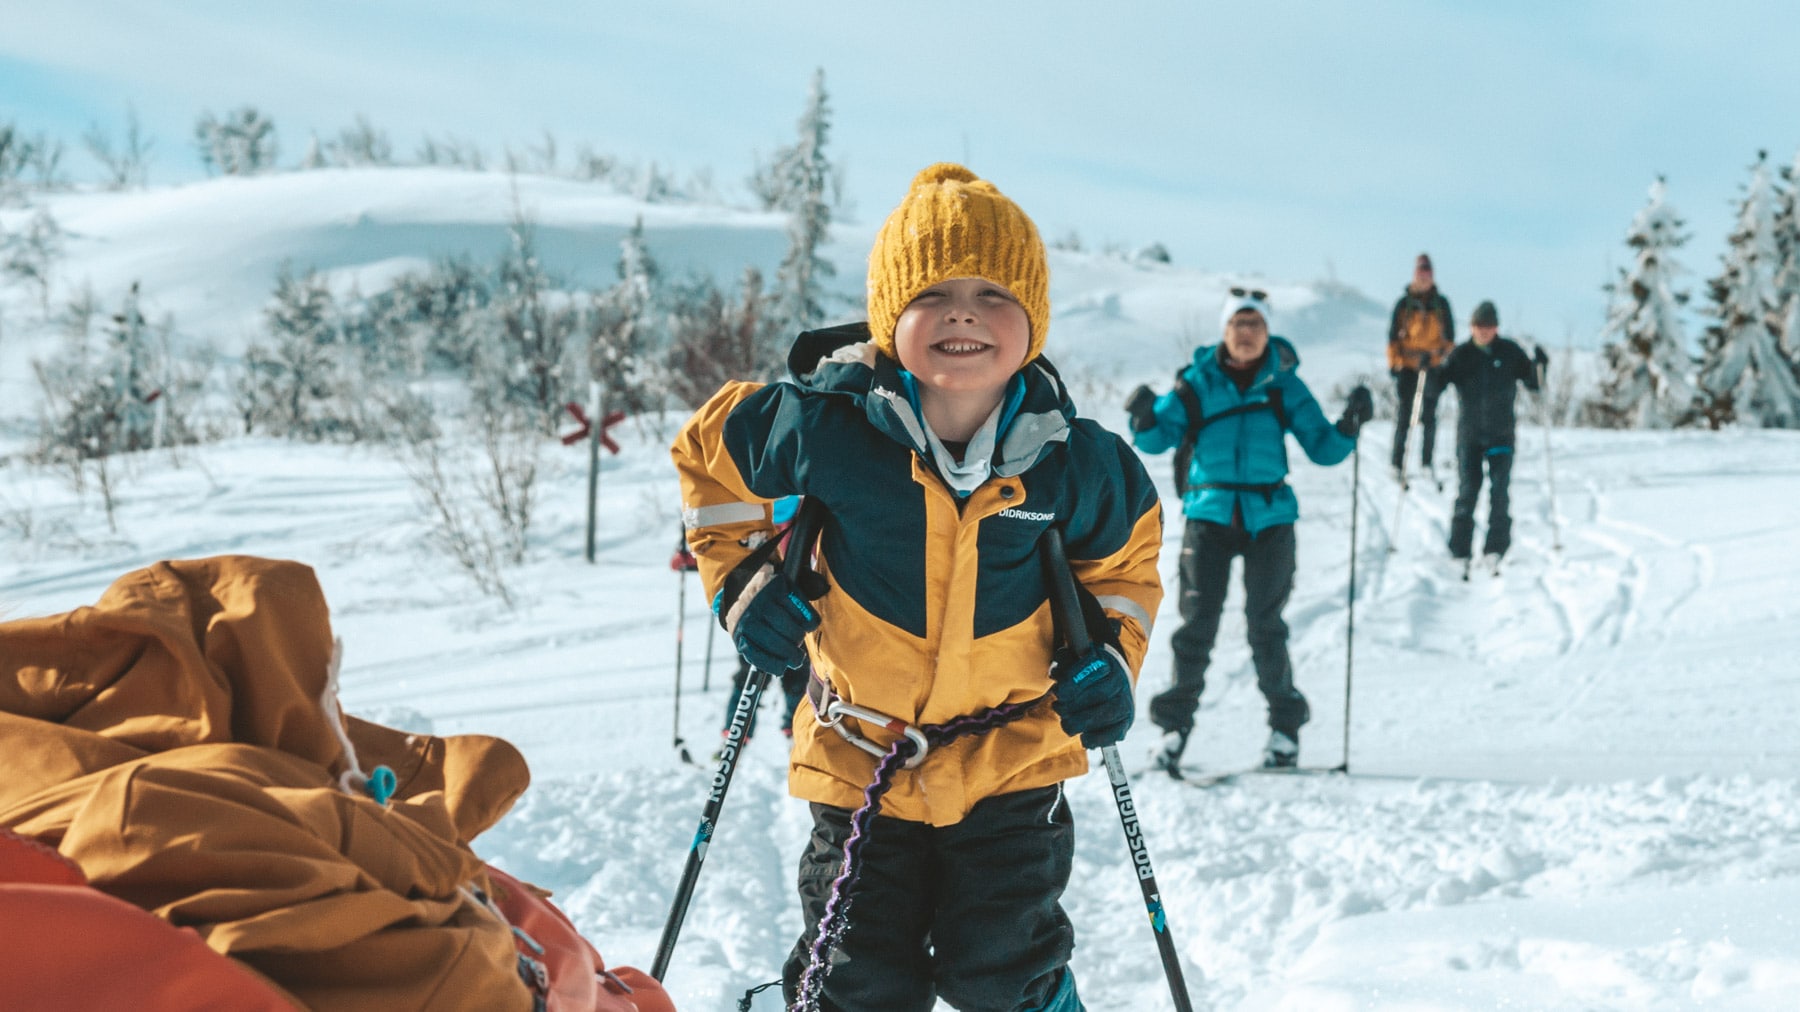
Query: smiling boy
[{"x": 941, "y": 445}]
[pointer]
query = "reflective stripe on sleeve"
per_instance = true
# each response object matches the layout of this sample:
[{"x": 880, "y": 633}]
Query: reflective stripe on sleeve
[
  {"x": 695, "y": 517},
  {"x": 1129, "y": 608}
]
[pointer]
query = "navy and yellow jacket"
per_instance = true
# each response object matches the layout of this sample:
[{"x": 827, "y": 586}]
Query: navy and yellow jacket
[
  {"x": 938, "y": 605},
  {"x": 1249, "y": 448}
]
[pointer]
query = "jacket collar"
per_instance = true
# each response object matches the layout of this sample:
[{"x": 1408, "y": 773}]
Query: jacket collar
[{"x": 842, "y": 361}]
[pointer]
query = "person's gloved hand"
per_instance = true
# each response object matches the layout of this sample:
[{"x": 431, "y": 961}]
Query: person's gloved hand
[
  {"x": 1141, "y": 405},
  {"x": 769, "y": 622},
  {"x": 1541, "y": 357},
  {"x": 1359, "y": 409},
  {"x": 1093, "y": 695}
]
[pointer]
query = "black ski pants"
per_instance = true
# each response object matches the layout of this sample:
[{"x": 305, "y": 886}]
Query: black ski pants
[
  {"x": 1206, "y": 553},
  {"x": 1470, "y": 459},
  {"x": 969, "y": 913},
  {"x": 1406, "y": 385}
]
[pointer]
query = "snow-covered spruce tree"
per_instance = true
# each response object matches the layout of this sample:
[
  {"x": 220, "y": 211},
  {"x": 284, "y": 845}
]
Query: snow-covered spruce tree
[
  {"x": 805, "y": 181},
  {"x": 1648, "y": 382},
  {"x": 627, "y": 330},
  {"x": 241, "y": 143},
  {"x": 1744, "y": 377},
  {"x": 536, "y": 325},
  {"x": 298, "y": 382},
  {"x": 101, "y": 401},
  {"x": 359, "y": 144},
  {"x": 1787, "y": 276}
]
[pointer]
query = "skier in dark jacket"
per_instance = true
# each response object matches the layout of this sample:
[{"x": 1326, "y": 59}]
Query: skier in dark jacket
[
  {"x": 1237, "y": 501},
  {"x": 1420, "y": 335},
  {"x": 1484, "y": 371}
]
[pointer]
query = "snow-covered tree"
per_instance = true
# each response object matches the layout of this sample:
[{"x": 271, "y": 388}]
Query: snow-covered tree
[
  {"x": 628, "y": 329},
  {"x": 241, "y": 143},
  {"x": 715, "y": 340},
  {"x": 1744, "y": 377},
  {"x": 300, "y": 382},
  {"x": 536, "y": 325},
  {"x": 1649, "y": 380},
  {"x": 805, "y": 181},
  {"x": 1787, "y": 276}
]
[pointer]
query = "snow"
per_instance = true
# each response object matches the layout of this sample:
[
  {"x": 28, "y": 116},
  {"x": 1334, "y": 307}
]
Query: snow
[{"x": 1572, "y": 784}]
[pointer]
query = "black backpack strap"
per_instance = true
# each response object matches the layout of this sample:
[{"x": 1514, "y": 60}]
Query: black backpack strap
[{"x": 1190, "y": 403}]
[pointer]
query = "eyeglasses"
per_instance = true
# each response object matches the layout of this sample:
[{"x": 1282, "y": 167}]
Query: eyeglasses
[{"x": 1250, "y": 293}]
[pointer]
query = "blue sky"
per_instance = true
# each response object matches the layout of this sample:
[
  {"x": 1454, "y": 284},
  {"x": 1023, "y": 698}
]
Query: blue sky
[{"x": 1513, "y": 141}]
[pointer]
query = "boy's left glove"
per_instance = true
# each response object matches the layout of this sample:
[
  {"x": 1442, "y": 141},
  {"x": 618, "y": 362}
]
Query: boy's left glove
[
  {"x": 769, "y": 622},
  {"x": 1093, "y": 695},
  {"x": 1541, "y": 357}
]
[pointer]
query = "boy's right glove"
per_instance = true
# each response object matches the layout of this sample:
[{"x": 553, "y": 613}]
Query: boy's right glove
[
  {"x": 1359, "y": 409},
  {"x": 769, "y": 622},
  {"x": 1141, "y": 406},
  {"x": 1093, "y": 695}
]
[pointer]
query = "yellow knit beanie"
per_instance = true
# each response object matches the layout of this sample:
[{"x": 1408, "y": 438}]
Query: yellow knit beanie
[{"x": 953, "y": 224}]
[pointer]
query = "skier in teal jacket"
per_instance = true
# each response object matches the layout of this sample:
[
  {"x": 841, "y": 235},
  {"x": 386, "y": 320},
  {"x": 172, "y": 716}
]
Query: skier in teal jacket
[{"x": 1234, "y": 404}]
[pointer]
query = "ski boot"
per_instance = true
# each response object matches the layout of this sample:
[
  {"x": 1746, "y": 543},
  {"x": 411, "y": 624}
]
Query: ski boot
[
  {"x": 1167, "y": 756},
  {"x": 1282, "y": 752},
  {"x": 1491, "y": 563}
]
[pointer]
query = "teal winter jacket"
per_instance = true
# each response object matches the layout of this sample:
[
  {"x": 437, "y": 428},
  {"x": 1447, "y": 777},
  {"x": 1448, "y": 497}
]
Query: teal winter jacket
[{"x": 1248, "y": 448}]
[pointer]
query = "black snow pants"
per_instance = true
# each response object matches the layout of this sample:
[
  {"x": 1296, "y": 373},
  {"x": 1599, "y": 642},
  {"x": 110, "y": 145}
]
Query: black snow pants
[
  {"x": 1470, "y": 457},
  {"x": 969, "y": 913},
  {"x": 1206, "y": 553},
  {"x": 1406, "y": 385}
]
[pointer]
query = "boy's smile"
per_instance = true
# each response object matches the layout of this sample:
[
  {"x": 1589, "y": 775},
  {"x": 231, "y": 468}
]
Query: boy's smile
[
  {"x": 962, "y": 339},
  {"x": 964, "y": 335}
]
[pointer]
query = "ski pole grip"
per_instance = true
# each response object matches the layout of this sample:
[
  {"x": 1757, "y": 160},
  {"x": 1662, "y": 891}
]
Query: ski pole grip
[
  {"x": 1065, "y": 600},
  {"x": 800, "y": 540}
]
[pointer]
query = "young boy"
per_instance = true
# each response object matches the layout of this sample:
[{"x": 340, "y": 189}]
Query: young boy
[{"x": 941, "y": 446}]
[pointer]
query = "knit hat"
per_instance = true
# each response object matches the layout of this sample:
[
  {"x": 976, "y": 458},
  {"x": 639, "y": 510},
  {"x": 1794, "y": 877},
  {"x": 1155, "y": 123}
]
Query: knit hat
[
  {"x": 1235, "y": 303},
  {"x": 953, "y": 224},
  {"x": 1423, "y": 263},
  {"x": 1485, "y": 315}
]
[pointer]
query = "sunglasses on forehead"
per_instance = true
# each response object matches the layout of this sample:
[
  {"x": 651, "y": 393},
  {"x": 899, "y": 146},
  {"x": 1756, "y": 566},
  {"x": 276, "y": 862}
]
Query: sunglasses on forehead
[{"x": 1250, "y": 293}]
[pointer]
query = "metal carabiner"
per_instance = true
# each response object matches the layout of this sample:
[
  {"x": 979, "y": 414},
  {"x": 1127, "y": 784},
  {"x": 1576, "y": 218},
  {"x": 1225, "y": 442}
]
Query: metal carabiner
[{"x": 837, "y": 710}]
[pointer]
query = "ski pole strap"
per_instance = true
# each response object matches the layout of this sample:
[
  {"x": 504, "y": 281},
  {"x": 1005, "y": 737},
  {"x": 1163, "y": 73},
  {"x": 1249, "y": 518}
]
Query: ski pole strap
[
  {"x": 1265, "y": 489},
  {"x": 835, "y": 920}
]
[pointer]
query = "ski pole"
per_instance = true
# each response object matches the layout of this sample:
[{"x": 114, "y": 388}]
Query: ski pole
[
  {"x": 1067, "y": 602},
  {"x": 805, "y": 526},
  {"x": 1350, "y": 617},
  {"x": 680, "y": 631},
  {"x": 1549, "y": 464},
  {"x": 1418, "y": 413},
  {"x": 706, "y": 669}
]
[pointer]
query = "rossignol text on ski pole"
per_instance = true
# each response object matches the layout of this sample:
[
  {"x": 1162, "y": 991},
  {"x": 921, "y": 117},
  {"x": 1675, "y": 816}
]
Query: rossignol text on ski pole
[
  {"x": 1067, "y": 602},
  {"x": 806, "y": 525}
]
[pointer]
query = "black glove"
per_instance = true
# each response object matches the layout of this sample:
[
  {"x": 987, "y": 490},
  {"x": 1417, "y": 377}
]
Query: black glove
[
  {"x": 771, "y": 624},
  {"x": 1541, "y": 357},
  {"x": 1093, "y": 695},
  {"x": 1359, "y": 409},
  {"x": 1141, "y": 405}
]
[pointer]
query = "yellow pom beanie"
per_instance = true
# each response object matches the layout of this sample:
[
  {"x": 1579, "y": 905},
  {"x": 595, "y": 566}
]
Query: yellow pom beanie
[{"x": 953, "y": 224}]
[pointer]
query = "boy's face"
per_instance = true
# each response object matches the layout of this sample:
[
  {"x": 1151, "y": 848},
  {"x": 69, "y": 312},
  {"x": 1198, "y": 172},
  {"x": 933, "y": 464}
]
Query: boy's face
[
  {"x": 965, "y": 335},
  {"x": 1246, "y": 336},
  {"x": 1484, "y": 336}
]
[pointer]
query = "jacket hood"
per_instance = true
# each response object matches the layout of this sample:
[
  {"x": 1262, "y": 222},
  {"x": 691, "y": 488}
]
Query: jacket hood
[{"x": 843, "y": 361}]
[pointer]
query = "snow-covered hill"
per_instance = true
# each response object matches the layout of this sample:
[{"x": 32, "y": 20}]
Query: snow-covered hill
[{"x": 1573, "y": 786}]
